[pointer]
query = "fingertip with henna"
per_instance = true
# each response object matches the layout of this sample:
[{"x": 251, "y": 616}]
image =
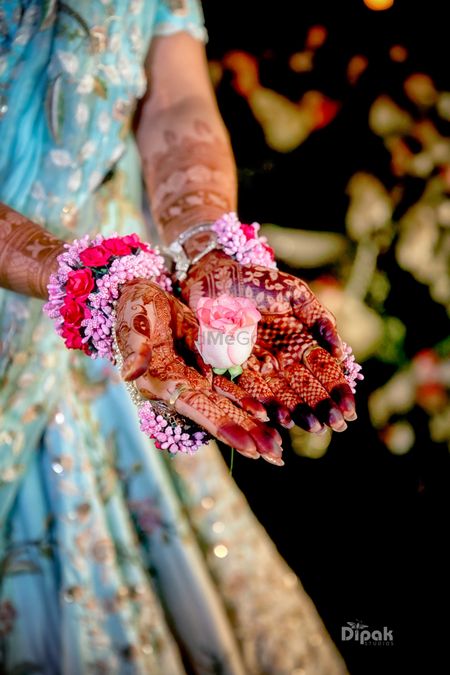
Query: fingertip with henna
[
  {"x": 255, "y": 408},
  {"x": 277, "y": 461},
  {"x": 265, "y": 440},
  {"x": 236, "y": 437},
  {"x": 280, "y": 413},
  {"x": 329, "y": 413},
  {"x": 342, "y": 395},
  {"x": 305, "y": 418},
  {"x": 329, "y": 337}
]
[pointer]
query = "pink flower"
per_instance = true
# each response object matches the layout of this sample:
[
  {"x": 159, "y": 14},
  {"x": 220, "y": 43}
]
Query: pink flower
[
  {"x": 95, "y": 256},
  {"x": 72, "y": 312},
  {"x": 227, "y": 330},
  {"x": 117, "y": 246},
  {"x": 80, "y": 283}
]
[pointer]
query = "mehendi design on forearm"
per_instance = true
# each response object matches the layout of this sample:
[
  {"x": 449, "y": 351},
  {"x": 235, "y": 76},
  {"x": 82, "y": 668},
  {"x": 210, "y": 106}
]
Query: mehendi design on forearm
[
  {"x": 190, "y": 175},
  {"x": 27, "y": 254}
]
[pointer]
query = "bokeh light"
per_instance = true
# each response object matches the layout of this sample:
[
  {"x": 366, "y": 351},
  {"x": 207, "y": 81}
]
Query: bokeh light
[{"x": 378, "y": 5}]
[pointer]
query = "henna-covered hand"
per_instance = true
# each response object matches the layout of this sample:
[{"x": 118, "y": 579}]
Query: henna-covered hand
[
  {"x": 295, "y": 368},
  {"x": 153, "y": 330}
]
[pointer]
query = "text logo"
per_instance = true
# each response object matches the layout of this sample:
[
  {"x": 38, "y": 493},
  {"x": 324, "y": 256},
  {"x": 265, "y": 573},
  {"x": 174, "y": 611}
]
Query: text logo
[{"x": 359, "y": 632}]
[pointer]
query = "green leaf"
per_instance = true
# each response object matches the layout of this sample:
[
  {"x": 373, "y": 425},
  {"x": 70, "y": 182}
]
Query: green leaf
[{"x": 235, "y": 371}]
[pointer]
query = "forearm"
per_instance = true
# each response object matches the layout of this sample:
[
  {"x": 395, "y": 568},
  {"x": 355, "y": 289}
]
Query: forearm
[
  {"x": 27, "y": 254},
  {"x": 187, "y": 160},
  {"x": 188, "y": 166}
]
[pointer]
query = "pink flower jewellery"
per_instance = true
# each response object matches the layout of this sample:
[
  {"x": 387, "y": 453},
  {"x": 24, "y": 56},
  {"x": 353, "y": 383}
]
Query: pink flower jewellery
[
  {"x": 242, "y": 242},
  {"x": 82, "y": 296}
]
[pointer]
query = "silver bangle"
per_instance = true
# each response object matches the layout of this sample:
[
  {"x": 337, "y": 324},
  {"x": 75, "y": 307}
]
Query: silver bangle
[{"x": 177, "y": 252}]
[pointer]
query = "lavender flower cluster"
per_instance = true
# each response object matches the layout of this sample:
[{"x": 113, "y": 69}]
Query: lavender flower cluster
[
  {"x": 351, "y": 368},
  {"x": 167, "y": 436},
  {"x": 242, "y": 241}
]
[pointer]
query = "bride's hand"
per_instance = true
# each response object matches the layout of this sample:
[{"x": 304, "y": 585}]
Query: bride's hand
[
  {"x": 153, "y": 329},
  {"x": 295, "y": 368}
]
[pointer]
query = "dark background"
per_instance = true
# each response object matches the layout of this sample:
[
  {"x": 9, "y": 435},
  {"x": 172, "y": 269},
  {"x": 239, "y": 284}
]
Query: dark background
[{"x": 364, "y": 529}]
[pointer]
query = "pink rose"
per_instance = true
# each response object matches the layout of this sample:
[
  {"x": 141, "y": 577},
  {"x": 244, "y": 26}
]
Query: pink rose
[
  {"x": 117, "y": 246},
  {"x": 80, "y": 283},
  {"x": 95, "y": 256},
  {"x": 72, "y": 312},
  {"x": 227, "y": 330}
]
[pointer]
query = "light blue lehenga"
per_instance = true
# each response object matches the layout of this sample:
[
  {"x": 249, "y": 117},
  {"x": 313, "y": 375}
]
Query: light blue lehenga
[{"x": 113, "y": 558}]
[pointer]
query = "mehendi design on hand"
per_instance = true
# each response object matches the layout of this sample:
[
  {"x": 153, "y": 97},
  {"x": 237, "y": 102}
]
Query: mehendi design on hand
[
  {"x": 27, "y": 254},
  {"x": 150, "y": 325},
  {"x": 293, "y": 324}
]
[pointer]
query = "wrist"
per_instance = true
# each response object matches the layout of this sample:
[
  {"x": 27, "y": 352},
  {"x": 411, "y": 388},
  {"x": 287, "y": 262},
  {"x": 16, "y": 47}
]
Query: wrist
[
  {"x": 237, "y": 240},
  {"x": 51, "y": 268}
]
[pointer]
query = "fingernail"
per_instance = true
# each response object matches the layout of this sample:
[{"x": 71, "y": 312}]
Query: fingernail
[
  {"x": 340, "y": 429},
  {"x": 336, "y": 420},
  {"x": 238, "y": 438},
  {"x": 265, "y": 441},
  {"x": 342, "y": 395},
  {"x": 249, "y": 455},
  {"x": 305, "y": 418},
  {"x": 270, "y": 432},
  {"x": 277, "y": 461},
  {"x": 283, "y": 417},
  {"x": 351, "y": 418}
]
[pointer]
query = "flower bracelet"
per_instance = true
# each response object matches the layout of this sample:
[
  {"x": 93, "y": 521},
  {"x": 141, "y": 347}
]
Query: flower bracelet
[
  {"x": 82, "y": 298},
  {"x": 243, "y": 243}
]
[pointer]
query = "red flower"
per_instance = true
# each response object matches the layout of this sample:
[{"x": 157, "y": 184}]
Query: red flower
[
  {"x": 134, "y": 241},
  {"x": 117, "y": 246},
  {"x": 270, "y": 251},
  {"x": 248, "y": 230},
  {"x": 72, "y": 312},
  {"x": 80, "y": 283},
  {"x": 96, "y": 256},
  {"x": 72, "y": 337}
]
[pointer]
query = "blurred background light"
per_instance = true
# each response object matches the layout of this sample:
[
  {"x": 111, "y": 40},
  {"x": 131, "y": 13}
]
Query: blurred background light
[{"x": 378, "y": 5}]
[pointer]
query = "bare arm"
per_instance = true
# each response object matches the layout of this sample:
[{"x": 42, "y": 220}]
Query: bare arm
[
  {"x": 27, "y": 254},
  {"x": 187, "y": 159}
]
